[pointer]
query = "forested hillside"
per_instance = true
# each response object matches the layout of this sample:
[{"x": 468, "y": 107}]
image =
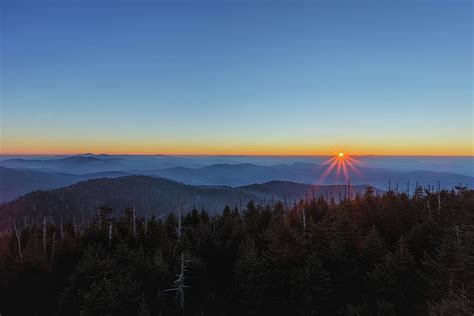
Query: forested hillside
[
  {"x": 148, "y": 195},
  {"x": 292, "y": 190},
  {"x": 154, "y": 196},
  {"x": 372, "y": 254}
]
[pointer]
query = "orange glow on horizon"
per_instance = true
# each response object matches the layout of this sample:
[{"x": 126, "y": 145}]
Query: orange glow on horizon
[
  {"x": 192, "y": 152},
  {"x": 22, "y": 146}
]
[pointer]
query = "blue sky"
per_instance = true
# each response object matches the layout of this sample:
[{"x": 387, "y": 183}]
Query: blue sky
[{"x": 237, "y": 77}]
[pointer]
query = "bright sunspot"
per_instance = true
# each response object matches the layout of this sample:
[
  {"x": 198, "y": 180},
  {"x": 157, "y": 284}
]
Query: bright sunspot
[{"x": 341, "y": 164}]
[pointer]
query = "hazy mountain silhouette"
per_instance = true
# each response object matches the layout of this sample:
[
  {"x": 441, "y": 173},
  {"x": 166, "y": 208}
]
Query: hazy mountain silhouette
[
  {"x": 16, "y": 182},
  {"x": 54, "y": 172},
  {"x": 68, "y": 164},
  {"x": 151, "y": 195},
  {"x": 245, "y": 174},
  {"x": 87, "y": 163}
]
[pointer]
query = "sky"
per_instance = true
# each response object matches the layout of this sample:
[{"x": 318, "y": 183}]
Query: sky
[{"x": 237, "y": 77}]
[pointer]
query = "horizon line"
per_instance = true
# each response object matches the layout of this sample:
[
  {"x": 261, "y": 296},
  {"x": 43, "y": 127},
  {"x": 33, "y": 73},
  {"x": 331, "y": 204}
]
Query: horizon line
[{"x": 231, "y": 155}]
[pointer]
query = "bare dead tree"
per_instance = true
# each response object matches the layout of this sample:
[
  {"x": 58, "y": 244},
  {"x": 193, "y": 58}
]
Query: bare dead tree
[
  {"x": 110, "y": 233},
  {"x": 74, "y": 224},
  {"x": 349, "y": 188},
  {"x": 61, "y": 229},
  {"x": 304, "y": 221},
  {"x": 18, "y": 238},
  {"x": 82, "y": 220},
  {"x": 44, "y": 237},
  {"x": 142, "y": 307},
  {"x": 53, "y": 245},
  {"x": 439, "y": 197},
  {"x": 134, "y": 223},
  {"x": 146, "y": 225},
  {"x": 179, "y": 284},
  {"x": 179, "y": 228}
]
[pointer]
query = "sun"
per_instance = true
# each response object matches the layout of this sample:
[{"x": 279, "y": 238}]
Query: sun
[{"x": 341, "y": 162}]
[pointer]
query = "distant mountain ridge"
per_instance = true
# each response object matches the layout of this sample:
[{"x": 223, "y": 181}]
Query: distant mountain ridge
[
  {"x": 26, "y": 175},
  {"x": 308, "y": 173},
  {"x": 80, "y": 164},
  {"x": 16, "y": 182}
]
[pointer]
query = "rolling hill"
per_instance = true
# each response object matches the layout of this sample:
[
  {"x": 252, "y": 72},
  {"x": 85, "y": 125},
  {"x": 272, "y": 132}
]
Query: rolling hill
[
  {"x": 16, "y": 182},
  {"x": 150, "y": 195},
  {"x": 296, "y": 191},
  {"x": 146, "y": 194}
]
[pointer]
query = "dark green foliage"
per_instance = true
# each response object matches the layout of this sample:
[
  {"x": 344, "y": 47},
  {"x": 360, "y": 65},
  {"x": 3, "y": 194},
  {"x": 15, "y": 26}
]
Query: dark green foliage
[{"x": 372, "y": 255}]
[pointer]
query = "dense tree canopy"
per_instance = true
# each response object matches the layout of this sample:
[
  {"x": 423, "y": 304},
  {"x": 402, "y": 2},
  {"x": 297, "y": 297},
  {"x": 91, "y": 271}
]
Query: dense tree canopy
[{"x": 389, "y": 254}]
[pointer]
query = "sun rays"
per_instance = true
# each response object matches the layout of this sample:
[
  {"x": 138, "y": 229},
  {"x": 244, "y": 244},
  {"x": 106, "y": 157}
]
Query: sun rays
[{"x": 341, "y": 163}]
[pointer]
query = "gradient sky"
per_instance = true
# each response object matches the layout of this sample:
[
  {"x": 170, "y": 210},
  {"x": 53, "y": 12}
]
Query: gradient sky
[{"x": 229, "y": 77}]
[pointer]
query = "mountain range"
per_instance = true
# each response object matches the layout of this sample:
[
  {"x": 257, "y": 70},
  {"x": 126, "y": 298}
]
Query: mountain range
[
  {"x": 154, "y": 196},
  {"x": 22, "y": 175},
  {"x": 309, "y": 173}
]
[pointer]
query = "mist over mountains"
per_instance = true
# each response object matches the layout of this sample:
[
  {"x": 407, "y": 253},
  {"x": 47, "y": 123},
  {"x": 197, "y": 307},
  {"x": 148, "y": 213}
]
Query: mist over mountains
[
  {"x": 20, "y": 175},
  {"x": 245, "y": 174},
  {"x": 103, "y": 162},
  {"x": 88, "y": 163}
]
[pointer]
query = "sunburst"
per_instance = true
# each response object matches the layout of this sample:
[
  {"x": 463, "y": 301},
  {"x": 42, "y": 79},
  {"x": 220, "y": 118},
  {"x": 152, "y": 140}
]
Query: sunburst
[{"x": 341, "y": 162}]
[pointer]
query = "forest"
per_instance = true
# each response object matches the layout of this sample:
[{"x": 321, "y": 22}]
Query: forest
[{"x": 368, "y": 254}]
